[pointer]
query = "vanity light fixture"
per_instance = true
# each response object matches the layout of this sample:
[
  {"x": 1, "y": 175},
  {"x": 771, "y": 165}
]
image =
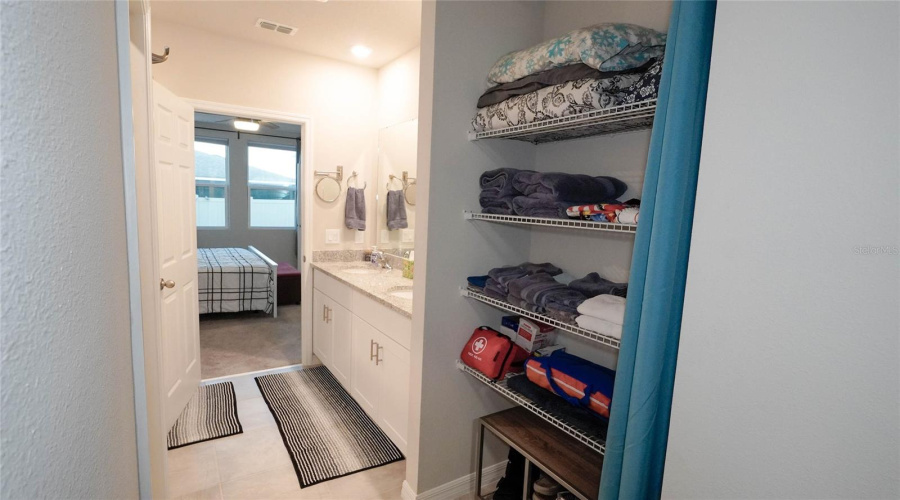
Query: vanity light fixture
[
  {"x": 361, "y": 51},
  {"x": 246, "y": 124}
]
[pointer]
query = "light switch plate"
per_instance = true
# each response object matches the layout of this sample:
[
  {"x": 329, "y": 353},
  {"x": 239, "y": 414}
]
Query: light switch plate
[
  {"x": 332, "y": 236},
  {"x": 406, "y": 235},
  {"x": 359, "y": 237}
]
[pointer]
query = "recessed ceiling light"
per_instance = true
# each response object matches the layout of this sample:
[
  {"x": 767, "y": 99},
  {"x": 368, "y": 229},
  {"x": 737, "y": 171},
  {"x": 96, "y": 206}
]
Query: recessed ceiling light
[
  {"x": 246, "y": 124},
  {"x": 361, "y": 51}
]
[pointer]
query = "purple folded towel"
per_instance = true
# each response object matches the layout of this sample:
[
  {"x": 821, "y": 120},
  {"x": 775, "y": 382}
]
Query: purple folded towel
[{"x": 575, "y": 188}]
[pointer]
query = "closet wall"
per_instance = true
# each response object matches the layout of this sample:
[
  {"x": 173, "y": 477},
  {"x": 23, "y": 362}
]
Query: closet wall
[
  {"x": 454, "y": 248},
  {"x": 788, "y": 373}
]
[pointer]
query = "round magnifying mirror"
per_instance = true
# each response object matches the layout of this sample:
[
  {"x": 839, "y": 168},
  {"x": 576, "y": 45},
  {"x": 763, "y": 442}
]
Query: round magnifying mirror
[
  {"x": 328, "y": 189},
  {"x": 410, "y": 193}
]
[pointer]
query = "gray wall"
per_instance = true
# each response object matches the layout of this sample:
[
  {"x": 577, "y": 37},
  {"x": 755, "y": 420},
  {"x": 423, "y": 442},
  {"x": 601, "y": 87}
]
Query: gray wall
[
  {"x": 787, "y": 382},
  {"x": 279, "y": 244},
  {"x": 67, "y": 393}
]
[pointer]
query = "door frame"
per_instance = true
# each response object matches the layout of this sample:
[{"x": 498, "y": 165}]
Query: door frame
[{"x": 136, "y": 112}]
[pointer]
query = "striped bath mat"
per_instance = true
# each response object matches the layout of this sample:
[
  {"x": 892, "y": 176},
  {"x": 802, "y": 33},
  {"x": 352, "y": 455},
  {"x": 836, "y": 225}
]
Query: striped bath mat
[
  {"x": 325, "y": 431},
  {"x": 210, "y": 414}
]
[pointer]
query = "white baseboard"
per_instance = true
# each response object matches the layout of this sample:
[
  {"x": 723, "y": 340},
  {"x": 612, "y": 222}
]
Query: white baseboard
[{"x": 460, "y": 487}]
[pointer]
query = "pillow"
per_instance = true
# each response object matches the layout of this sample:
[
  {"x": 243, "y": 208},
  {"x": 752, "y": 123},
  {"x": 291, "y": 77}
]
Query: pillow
[
  {"x": 647, "y": 87},
  {"x": 607, "y": 47}
]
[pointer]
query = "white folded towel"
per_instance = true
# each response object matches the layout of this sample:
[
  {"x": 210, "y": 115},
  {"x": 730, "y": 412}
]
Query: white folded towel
[
  {"x": 610, "y": 308},
  {"x": 600, "y": 326}
]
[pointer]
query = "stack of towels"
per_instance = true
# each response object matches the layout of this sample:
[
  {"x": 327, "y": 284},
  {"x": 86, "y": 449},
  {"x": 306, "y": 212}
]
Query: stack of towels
[
  {"x": 546, "y": 289},
  {"x": 508, "y": 191},
  {"x": 603, "y": 314}
]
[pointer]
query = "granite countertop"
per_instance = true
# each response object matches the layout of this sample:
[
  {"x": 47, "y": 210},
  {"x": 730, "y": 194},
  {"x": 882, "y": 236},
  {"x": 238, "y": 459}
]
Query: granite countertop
[{"x": 378, "y": 284}]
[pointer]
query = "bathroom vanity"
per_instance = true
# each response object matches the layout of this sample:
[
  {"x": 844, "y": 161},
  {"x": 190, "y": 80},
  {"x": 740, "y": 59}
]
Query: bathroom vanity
[{"x": 361, "y": 333}]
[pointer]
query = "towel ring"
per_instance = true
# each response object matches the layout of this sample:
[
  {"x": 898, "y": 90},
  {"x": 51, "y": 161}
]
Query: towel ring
[
  {"x": 354, "y": 176},
  {"x": 391, "y": 178}
]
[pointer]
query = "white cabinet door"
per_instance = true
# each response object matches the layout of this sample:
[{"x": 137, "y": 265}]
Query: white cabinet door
[
  {"x": 364, "y": 380},
  {"x": 179, "y": 321},
  {"x": 321, "y": 328},
  {"x": 393, "y": 405},
  {"x": 341, "y": 323}
]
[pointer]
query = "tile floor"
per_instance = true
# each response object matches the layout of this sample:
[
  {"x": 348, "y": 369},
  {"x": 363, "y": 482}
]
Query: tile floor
[{"x": 256, "y": 464}]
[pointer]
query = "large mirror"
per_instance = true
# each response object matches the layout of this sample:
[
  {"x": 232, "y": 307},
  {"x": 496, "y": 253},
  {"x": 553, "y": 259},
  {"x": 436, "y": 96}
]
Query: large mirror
[{"x": 397, "y": 187}]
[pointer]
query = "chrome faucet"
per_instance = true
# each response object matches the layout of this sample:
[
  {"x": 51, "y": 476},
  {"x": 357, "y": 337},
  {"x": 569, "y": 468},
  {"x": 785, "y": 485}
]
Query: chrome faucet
[{"x": 378, "y": 255}]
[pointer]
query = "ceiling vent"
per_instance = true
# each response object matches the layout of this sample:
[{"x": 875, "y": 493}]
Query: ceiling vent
[{"x": 272, "y": 26}]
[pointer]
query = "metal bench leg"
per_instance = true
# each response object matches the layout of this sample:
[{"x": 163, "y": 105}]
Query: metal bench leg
[
  {"x": 526, "y": 488},
  {"x": 479, "y": 460}
]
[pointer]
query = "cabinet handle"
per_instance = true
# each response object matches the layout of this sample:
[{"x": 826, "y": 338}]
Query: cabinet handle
[
  {"x": 328, "y": 315},
  {"x": 373, "y": 350},
  {"x": 325, "y": 314},
  {"x": 378, "y": 359}
]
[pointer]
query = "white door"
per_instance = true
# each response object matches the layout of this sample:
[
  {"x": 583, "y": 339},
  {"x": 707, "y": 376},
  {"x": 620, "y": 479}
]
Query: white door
[
  {"x": 173, "y": 137},
  {"x": 341, "y": 361}
]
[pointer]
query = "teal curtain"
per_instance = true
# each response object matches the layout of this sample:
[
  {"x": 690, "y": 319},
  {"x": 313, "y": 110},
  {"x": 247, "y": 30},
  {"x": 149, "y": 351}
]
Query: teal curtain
[{"x": 645, "y": 375}]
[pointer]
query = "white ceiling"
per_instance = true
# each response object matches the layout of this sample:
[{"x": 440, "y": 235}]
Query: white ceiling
[{"x": 329, "y": 29}]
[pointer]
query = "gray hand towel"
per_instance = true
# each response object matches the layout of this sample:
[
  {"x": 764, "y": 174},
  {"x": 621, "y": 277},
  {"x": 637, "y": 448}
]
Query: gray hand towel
[
  {"x": 355, "y": 209},
  {"x": 396, "y": 210}
]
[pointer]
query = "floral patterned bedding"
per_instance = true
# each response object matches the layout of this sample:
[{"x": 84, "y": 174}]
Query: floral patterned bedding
[
  {"x": 570, "y": 98},
  {"x": 607, "y": 47}
]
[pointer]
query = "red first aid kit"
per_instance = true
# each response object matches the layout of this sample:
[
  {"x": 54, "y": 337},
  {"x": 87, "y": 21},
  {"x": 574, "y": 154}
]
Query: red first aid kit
[{"x": 493, "y": 353}]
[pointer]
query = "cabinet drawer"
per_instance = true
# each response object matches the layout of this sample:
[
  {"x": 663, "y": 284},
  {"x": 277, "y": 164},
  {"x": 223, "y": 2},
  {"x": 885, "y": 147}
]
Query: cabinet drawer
[
  {"x": 341, "y": 293},
  {"x": 389, "y": 322}
]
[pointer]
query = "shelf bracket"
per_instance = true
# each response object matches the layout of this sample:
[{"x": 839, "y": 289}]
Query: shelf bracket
[{"x": 471, "y": 135}]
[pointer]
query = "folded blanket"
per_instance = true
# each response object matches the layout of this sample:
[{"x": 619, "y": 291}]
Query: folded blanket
[
  {"x": 573, "y": 188},
  {"x": 609, "y": 308},
  {"x": 529, "y": 206},
  {"x": 593, "y": 285},
  {"x": 600, "y": 326},
  {"x": 556, "y": 101}
]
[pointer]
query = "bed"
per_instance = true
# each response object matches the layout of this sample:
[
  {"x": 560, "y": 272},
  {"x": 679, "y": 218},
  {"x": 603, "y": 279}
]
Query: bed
[{"x": 236, "y": 280}]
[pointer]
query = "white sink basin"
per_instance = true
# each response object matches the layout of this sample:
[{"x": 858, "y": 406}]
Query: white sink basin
[
  {"x": 361, "y": 271},
  {"x": 402, "y": 293}
]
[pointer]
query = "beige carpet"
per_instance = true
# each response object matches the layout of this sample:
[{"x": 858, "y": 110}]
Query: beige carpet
[{"x": 232, "y": 343}]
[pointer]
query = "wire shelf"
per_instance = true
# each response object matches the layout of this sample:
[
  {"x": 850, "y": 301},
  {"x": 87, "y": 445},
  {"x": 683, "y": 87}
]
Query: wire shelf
[
  {"x": 568, "y": 327},
  {"x": 593, "y": 439},
  {"x": 541, "y": 221},
  {"x": 611, "y": 120}
]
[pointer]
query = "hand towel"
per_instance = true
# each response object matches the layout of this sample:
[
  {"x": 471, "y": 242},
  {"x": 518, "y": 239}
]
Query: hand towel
[
  {"x": 609, "y": 308},
  {"x": 355, "y": 209},
  {"x": 494, "y": 290},
  {"x": 532, "y": 287},
  {"x": 396, "y": 210},
  {"x": 593, "y": 285},
  {"x": 568, "y": 297},
  {"x": 503, "y": 275},
  {"x": 573, "y": 188},
  {"x": 600, "y": 326}
]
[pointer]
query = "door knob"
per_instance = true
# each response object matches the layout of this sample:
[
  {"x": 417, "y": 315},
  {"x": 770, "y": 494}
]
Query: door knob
[{"x": 166, "y": 284}]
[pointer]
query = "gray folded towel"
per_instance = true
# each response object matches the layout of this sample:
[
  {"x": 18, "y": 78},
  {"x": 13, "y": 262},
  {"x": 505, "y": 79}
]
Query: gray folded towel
[
  {"x": 355, "y": 209},
  {"x": 540, "y": 206},
  {"x": 396, "y": 210},
  {"x": 573, "y": 188},
  {"x": 593, "y": 285}
]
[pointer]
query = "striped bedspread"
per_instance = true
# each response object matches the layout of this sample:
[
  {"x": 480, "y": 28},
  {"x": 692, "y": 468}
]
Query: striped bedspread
[{"x": 234, "y": 280}]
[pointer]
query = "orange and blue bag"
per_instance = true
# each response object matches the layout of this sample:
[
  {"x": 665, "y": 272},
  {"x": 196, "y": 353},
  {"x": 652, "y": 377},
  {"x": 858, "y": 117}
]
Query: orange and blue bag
[
  {"x": 492, "y": 353},
  {"x": 574, "y": 379}
]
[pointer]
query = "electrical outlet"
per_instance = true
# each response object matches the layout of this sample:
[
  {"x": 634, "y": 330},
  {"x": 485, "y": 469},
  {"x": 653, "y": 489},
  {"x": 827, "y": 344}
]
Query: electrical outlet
[
  {"x": 406, "y": 235},
  {"x": 332, "y": 236},
  {"x": 359, "y": 237}
]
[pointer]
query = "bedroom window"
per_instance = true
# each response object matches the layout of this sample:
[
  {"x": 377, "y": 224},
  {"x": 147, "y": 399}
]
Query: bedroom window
[
  {"x": 272, "y": 179},
  {"x": 211, "y": 180}
]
